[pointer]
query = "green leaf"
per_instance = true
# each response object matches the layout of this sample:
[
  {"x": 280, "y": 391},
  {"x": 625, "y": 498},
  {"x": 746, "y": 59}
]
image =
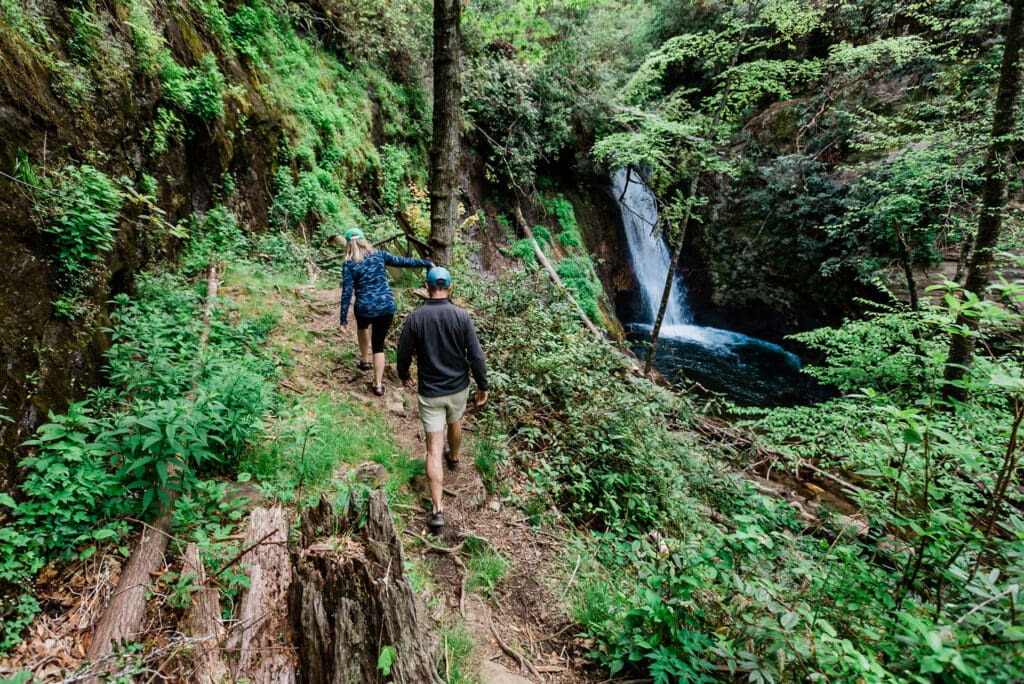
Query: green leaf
[{"x": 386, "y": 659}]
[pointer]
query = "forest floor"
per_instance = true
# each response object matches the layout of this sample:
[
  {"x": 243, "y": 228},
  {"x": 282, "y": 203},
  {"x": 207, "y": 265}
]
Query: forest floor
[
  {"x": 517, "y": 606},
  {"x": 490, "y": 580}
]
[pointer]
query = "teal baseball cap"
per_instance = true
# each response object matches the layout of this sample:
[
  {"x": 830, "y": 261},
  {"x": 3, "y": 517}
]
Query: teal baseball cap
[
  {"x": 354, "y": 233},
  {"x": 439, "y": 277}
]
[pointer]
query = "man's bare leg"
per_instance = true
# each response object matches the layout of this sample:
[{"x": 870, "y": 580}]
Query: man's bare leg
[
  {"x": 454, "y": 440},
  {"x": 435, "y": 469}
]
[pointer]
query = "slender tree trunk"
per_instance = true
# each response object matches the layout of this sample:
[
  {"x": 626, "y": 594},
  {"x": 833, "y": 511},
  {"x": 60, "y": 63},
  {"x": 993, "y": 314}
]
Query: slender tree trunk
[
  {"x": 990, "y": 221},
  {"x": 907, "y": 262},
  {"x": 673, "y": 264},
  {"x": 444, "y": 151}
]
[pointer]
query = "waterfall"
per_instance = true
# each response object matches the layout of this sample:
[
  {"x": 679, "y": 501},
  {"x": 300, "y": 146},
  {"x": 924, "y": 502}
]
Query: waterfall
[
  {"x": 651, "y": 258},
  {"x": 648, "y": 252}
]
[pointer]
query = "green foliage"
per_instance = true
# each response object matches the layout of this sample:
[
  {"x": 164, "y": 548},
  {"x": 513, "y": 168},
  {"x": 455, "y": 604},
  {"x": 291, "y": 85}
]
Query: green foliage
[
  {"x": 68, "y": 487},
  {"x": 524, "y": 113},
  {"x": 573, "y": 401},
  {"x": 83, "y": 219},
  {"x": 456, "y": 661},
  {"x": 313, "y": 440},
  {"x": 213, "y": 237},
  {"x": 198, "y": 91},
  {"x": 577, "y": 272},
  {"x": 486, "y": 568},
  {"x": 569, "y": 235}
]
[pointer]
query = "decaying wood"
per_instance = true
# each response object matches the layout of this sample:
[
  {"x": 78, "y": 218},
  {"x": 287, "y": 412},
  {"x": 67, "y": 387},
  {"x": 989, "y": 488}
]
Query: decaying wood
[
  {"x": 264, "y": 636},
  {"x": 203, "y": 623},
  {"x": 122, "y": 618},
  {"x": 351, "y": 599}
]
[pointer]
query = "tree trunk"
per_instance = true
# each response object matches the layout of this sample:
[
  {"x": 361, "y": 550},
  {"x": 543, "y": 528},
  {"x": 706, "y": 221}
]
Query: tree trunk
[
  {"x": 444, "y": 151},
  {"x": 990, "y": 220},
  {"x": 351, "y": 602},
  {"x": 907, "y": 263},
  {"x": 669, "y": 279},
  {"x": 122, "y": 617},
  {"x": 203, "y": 622},
  {"x": 265, "y": 640}
]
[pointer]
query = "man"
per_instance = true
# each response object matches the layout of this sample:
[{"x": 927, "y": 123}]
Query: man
[{"x": 442, "y": 337}]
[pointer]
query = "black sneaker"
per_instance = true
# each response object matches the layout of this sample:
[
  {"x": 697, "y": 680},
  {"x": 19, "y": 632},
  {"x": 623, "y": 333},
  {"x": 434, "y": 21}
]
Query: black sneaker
[
  {"x": 435, "y": 521},
  {"x": 452, "y": 464}
]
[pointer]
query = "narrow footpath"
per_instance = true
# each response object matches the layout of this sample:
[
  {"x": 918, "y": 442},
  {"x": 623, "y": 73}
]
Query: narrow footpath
[{"x": 521, "y": 630}]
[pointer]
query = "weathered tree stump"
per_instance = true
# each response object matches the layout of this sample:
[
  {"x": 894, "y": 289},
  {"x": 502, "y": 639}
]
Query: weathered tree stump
[{"x": 351, "y": 601}]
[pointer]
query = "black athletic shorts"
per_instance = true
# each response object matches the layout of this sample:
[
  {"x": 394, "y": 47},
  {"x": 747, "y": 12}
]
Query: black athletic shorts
[{"x": 379, "y": 326}]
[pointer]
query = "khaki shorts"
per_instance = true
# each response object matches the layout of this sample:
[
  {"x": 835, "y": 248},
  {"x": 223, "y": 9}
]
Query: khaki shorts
[{"x": 439, "y": 412}]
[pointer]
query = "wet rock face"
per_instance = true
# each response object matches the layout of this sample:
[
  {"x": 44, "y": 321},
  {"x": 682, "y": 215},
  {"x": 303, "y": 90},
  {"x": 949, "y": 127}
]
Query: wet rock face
[{"x": 49, "y": 361}]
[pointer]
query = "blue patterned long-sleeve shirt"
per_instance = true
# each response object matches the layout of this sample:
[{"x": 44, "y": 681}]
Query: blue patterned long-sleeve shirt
[{"x": 369, "y": 280}]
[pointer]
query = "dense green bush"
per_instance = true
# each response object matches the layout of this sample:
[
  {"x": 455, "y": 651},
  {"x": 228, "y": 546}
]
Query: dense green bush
[
  {"x": 176, "y": 413},
  {"x": 83, "y": 213}
]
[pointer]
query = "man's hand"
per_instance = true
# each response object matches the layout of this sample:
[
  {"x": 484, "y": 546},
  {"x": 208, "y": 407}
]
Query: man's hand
[
  {"x": 409, "y": 384},
  {"x": 344, "y": 329},
  {"x": 481, "y": 398}
]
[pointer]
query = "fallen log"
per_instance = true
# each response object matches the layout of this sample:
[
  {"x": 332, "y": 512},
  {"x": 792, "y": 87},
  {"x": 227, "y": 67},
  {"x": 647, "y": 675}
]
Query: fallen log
[
  {"x": 555, "y": 278},
  {"x": 352, "y": 604},
  {"x": 122, "y": 617},
  {"x": 263, "y": 634},
  {"x": 203, "y": 623}
]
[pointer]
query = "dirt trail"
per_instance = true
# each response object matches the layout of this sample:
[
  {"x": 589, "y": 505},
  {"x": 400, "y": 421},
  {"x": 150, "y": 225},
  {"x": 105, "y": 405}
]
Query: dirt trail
[{"x": 524, "y": 607}]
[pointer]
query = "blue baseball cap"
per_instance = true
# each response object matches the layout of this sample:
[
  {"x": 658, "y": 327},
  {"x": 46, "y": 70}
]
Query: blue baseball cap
[
  {"x": 439, "y": 277},
  {"x": 354, "y": 233}
]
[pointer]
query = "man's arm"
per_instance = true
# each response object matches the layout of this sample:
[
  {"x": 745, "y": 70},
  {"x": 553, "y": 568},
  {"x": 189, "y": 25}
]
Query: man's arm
[
  {"x": 406, "y": 347},
  {"x": 475, "y": 355}
]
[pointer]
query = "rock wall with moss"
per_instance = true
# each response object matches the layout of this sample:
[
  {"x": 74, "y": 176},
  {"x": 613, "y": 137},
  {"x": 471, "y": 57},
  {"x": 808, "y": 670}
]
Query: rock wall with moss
[{"x": 129, "y": 126}]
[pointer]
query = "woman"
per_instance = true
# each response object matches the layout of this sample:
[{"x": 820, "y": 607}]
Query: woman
[{"x": 364, "y": 273}]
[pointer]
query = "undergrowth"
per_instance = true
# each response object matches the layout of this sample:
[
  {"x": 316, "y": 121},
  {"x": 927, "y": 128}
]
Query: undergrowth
[{"x": 688, "y": 572}]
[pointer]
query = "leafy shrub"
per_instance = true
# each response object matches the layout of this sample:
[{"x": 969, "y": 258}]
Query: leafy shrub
[
  {"x": 524, "y": 111},
  {"x": 574, "y": 402},
  {"x": 214, "y": 236},
  {"x": 83, "y": 219},
  {"x": 70, "y": 492},
  {"x": 198, "y": 91}
]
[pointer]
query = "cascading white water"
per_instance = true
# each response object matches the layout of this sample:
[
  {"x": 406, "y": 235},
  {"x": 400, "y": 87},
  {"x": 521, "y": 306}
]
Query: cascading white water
[
  {"x": 651, "y": 259},
  {"x": 648, "y": 252}
]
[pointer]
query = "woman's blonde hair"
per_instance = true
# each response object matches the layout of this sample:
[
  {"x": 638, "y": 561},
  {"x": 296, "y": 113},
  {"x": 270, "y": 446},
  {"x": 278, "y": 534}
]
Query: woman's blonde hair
[{"x": 358, "y": 249}]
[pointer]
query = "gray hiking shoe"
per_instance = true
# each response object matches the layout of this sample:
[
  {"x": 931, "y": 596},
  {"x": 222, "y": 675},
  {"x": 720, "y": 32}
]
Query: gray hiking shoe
[{"x": 435, "y": 521}]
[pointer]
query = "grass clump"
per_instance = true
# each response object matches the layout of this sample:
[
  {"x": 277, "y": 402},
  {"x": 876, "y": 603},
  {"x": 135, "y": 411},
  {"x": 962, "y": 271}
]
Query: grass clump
[{"x": 457, "y": 663}]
